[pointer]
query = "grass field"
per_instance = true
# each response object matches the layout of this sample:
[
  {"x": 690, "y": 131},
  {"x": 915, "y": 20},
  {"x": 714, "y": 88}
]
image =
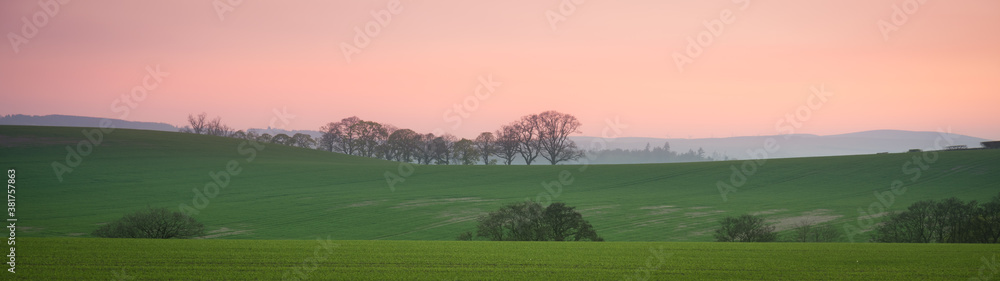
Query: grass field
[
  {"x": 138, "y": 259},
  {"x": 294, "y": 193}
]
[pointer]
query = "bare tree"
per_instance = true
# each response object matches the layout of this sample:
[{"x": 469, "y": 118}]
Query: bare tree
[
  {"x": 341, "y": 136},
  {"x": 506, "y": 144},
  {"x": 486, "y": 144},
  {"x": 526, "y": 131},
  {"x": 198, "y": 123},
  {"x": 442, "y": 149},
  {"x": 425, "y": 149},
  {"x": 554, "y": 129}
]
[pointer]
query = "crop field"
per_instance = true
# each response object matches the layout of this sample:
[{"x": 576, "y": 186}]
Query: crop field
[
  {"x": 321, "y": 259},
  {"x": 282, "y": 192}
]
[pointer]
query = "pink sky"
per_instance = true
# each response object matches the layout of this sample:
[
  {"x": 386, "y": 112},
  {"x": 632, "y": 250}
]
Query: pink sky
[{"x": 609, "y": 59}]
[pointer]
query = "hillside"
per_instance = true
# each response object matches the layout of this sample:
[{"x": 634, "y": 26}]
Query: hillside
[{"x": 295, "y": 193}]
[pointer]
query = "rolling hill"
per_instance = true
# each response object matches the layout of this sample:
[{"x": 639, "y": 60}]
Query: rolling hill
[{"x": 279, "y": 192}]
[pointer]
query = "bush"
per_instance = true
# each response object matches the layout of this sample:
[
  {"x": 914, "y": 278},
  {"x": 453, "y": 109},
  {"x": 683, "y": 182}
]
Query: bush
[
  {"x": 948, "y": 221},
  {"x": 745, "y": 228},
  {"x": 528, "y": 221},
  {"x": 809, "y": 232},
  {"x": 152, "y": 223}
]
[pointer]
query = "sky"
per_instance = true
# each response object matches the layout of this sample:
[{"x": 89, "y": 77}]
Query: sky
[{"x": 658, "y": 68}]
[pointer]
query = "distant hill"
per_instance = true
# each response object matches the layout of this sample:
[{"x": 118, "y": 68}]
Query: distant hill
[
  {"x": 800, "y": 145},
  {"x": 81, "y": 121}
]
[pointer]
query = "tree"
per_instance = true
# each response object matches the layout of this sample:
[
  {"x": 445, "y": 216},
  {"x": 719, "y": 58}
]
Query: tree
[
  {"x": 465, "y": 152},
  {"x": 526, "y": 131},
  {"x": 341, "y": 136},
  {"x": 442, "y": 148},
  {"x": 948, "y": 221},
  {"x": 507, "y": 144},
  {"x": 565, "y": 223},
  {"x": 425, "y": 151},
  {"x": 745, "y": 228},
  {"x": 807, "y": 231},
  {"x": 487, "y": 146},
  {"x": 152, "y": 223},
  {"x": 528, "y": 221},
  {"x": 554, "y": 129},
  {"x": 264, "y": 138},
  {"x": 303, "y": 140},
  {"x": 281, "y": 139},
  {"x": 197, "y": 123},
  {"x": 369, "y": 135},
  {"x": 404, "y": 145}
]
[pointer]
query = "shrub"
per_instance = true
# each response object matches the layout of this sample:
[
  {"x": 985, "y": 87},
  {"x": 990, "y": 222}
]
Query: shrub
[
  {"x": 528, "y": 221},
  {"x": 745, "y": 228},
  {"x": 152, "y": 223}
]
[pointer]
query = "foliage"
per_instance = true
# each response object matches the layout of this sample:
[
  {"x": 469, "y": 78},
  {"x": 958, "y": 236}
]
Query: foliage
[
  {"x": 157, "y": 223},
  {"x": 948, "y": 221},
  {"x": 529, "y": 221},
  {"x": 745, "y": 228},
  {"x": 809, "y": 232}
]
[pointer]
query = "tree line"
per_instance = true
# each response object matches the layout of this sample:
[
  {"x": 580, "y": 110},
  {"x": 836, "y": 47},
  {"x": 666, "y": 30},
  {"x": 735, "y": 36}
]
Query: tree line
[
  {"x": 545, "y": 134},
  {"x": 528, "y": 140},
  {"x": 948, "y": 221}
]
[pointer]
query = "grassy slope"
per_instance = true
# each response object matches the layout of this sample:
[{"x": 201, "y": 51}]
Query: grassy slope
[
  {"x": 293, "y": 193},
  {"x": 140, "y": 259}
]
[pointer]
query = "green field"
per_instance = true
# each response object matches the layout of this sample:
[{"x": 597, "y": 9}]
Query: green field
[
  {"x": 139, "y": 259},
  {"x": 264, "y": 223},
  {"x": 295, "y": 193}
]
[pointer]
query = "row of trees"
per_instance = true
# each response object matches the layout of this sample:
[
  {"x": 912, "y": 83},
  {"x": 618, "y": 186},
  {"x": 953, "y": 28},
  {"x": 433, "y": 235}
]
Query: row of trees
[
  {"x": 529, "y": 221},
  {"x": 545, "y": 134},
  {"x": 201, "y": 125},
  {"x": 948, "y": 221},
  {"x": 532, "y": 138},
  {"x": 652, "y": 155}
]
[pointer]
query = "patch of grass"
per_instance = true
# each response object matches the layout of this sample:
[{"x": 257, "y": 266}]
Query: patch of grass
[{"x": 145, "y": 259}]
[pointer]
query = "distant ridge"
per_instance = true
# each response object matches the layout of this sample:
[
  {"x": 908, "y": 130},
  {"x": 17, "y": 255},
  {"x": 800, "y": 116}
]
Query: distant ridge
[
  {"x": 799, "y": 145},
  {"x": 81, "y": 121}
]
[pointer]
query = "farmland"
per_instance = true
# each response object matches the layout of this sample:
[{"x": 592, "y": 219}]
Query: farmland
[
  {"x": 139, "y": 259},
  {"x": 295, "y": 193},
  {"x": 276, "y": 201}
]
